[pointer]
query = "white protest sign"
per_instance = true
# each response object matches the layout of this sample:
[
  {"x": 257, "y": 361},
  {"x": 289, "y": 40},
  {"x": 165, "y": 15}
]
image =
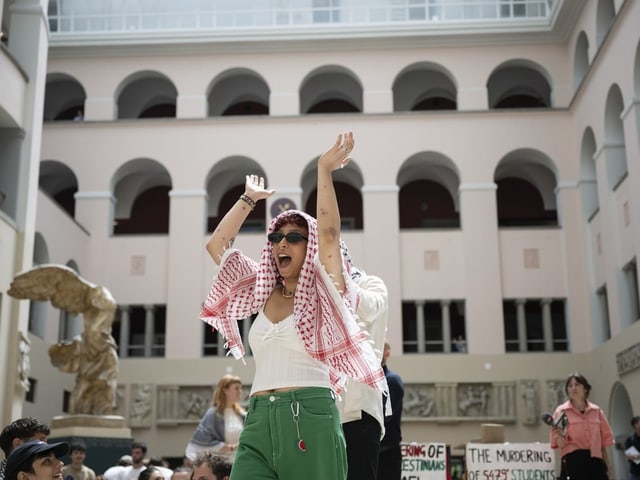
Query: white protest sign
[
  {"x": 424, "y": 461},
  {"x": 510, "y": 461}
]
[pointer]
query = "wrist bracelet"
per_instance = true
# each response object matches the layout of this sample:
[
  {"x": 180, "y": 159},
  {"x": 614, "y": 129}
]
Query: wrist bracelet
[{"x": 248, "y": 200}]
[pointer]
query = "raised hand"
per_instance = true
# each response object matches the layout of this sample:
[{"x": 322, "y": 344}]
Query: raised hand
[
  {"x": 338, "y": 155},
  {"x": 254, "y": 188}
]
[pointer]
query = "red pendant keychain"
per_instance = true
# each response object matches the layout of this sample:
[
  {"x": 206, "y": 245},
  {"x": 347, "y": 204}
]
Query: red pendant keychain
[{"x": 295, "y": 411}]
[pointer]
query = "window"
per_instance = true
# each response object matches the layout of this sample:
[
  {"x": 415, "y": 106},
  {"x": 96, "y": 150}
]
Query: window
[
  {"x": 433, "y": 326},
  {"x": 326, "y": 11},
  {"x": 535, "y": 325},
  {"x": 631, "y": 279},
  {"x": 213, "y": 344},
  {"x": 30, "y": 396},
  {"x": 603, "y": 302},
  {"x": 139, "y": 330},
  {"x": 66, "y": 401}
]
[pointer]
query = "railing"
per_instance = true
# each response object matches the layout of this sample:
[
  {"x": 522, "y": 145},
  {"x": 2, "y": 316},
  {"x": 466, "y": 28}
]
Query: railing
[{"x": 121, "y": 16}]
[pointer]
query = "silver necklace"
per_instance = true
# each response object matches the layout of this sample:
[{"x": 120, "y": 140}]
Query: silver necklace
[{"x": 285, "y": 294}]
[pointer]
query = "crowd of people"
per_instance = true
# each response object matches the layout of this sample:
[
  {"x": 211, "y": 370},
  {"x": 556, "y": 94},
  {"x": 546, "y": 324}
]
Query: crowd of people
[
  {"x": 323, "y": 401},
  {"x": 28, "y": 456}
]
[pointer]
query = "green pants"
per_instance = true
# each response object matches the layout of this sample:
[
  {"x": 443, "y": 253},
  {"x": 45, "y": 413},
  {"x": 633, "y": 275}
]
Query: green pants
[{"x": 292, "y": 435}]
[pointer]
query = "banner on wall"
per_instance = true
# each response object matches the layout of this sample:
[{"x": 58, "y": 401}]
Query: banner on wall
[
  {"x": 510, "y": 461},
  {"x": 424, "y": 461}
]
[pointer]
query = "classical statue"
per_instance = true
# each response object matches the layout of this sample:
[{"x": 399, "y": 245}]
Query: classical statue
[{"x": 91, "y": 355}]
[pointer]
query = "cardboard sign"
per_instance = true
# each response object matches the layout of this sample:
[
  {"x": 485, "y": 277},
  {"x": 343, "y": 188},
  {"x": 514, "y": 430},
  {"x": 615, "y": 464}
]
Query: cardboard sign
[
  {"x": 510, "y": 461},
  {"x": 424, "y": 461}
]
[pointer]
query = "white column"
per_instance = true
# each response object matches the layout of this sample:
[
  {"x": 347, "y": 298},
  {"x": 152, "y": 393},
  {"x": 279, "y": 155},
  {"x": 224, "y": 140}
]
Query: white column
[
  {"x": 28, "y": 45},
  {"x": 482, "y": 274},
  {"x": 446, "y": 326},
  {"x": 149, "y": 330},
  {"x": 522, "y": 325},
  {"x": 420, "y": 333},
  {"x": 99, "y": 107},
  {"x": 547, "y": 328},
  {"x": 284, "y": 103},
  {"x": 124, "y": 331},
  {"x": 383, "y": 257},
  {"x": 609, "y": 153},
  {"x": 377, "y": 101},
  {"x": 191, "y": 106},
  {"x": 246, "y": 326},
  {"x": 631, "y": 125},
  {"x": 581, "y": 299},
  {"x": 221, "y": 342},
  {"x": 187, "y": 234}
]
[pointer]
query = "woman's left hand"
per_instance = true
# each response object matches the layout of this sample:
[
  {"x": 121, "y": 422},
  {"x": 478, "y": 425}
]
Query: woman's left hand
[{"x": 338, "y": 155}]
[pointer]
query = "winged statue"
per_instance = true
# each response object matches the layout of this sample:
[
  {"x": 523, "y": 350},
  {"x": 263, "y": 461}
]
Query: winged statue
[{"x": 92, "y": 355}]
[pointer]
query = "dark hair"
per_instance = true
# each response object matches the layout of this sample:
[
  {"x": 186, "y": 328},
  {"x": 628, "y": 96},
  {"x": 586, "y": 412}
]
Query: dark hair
[
  {"x": 219, "y": 464},
  {"x": 141, "y": 445},
  {"x": 578, "y": 377},
  {"x": 24, "y": 429},
  {"x": 182, "y": 469},
  {"x": 147, "y": 472},
  {"x": 634, "y": 420},
  {"x": 77, "y": 446}
]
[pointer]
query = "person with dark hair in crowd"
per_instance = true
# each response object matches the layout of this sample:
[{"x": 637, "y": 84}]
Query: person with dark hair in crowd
[
  {"x": 138, "y": 453},
  {"x": 182, "y": 472},
  {"x": 390, "y": 458},
  {"x": 305, "y": 339},
  {"x": 210, "y": 465},
  {"x": 634, "y": 455},
  {"x": 36, "y": 460},
  {"x": 77, "y": 470},
  {"x": 162, "y": 466},
  {"x": 18, "y": 432},
  {"x": 151, "y": 473},
  {"x": 585, "y": 435}
]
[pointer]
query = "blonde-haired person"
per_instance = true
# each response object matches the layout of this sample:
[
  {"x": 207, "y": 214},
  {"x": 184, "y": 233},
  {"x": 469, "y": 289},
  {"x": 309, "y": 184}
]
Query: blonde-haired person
[{"x": 220, "y": 427}]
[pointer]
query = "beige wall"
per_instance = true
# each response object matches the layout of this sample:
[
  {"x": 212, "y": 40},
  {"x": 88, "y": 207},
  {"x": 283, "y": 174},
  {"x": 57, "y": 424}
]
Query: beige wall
[{"x": 479, "y": 262}]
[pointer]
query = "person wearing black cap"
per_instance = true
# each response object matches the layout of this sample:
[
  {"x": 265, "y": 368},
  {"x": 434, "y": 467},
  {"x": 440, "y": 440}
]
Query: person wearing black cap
[
  {"x": 36, "y": 460},
  {"x": 18, "y": 432}
]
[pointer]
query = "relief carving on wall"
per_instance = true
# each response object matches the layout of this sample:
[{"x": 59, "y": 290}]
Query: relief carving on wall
[
  {"x": 194, "y": 404},
  {"x": 464, "y": 401},
  {"x": 555, "y": 394},
  {"x": 473, "y": 400},
  {"x": 530, "y": 400},
  {"x": 477, "y": 401},
  {"x": 628, "y": 359},
  {"x": 419, "y": 401},
  {"x": 141, "y": 405}
]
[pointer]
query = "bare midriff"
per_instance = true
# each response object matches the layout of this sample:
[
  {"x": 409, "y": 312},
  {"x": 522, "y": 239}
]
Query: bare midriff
[{"x": 275, "y": 390}]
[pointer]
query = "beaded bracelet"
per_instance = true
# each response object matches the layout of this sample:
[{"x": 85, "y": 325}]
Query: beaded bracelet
[{"x": 248, "y": 200}]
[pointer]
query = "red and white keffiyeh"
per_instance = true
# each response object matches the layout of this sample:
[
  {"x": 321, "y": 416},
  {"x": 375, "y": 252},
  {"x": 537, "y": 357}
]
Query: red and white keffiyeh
[{"x": 324, "y": 319}]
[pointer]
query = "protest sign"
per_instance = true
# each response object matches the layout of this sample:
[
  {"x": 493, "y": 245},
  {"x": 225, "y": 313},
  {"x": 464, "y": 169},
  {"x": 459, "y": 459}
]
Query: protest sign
[
  {"x": 424, "y": 461},
  {"x": 510, "y": 461}
]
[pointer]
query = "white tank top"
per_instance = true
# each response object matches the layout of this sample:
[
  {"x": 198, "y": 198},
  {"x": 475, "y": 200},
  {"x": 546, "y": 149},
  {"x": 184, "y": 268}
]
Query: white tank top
[{"x": 280, "y": 357}]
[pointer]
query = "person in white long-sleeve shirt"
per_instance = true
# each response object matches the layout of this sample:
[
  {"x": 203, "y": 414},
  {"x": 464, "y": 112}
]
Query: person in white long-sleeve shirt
[{"x": 361, "y": 408}]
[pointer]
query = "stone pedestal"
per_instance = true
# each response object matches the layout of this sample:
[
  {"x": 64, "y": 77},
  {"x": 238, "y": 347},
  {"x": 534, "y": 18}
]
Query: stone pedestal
[
  {"x": 491, "y": 433},
  {"x": 106, "y": 437}
]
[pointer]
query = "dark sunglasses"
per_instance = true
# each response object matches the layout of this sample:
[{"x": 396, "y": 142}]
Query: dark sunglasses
[{"x": 292, "y": 237}]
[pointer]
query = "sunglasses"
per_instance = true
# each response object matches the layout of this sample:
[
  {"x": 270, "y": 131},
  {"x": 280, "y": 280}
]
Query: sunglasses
[{"x": 291, "y": 237}]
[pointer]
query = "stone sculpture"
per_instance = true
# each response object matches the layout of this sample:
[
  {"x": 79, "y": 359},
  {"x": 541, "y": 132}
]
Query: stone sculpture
[{"x": 91, "y": 355}]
